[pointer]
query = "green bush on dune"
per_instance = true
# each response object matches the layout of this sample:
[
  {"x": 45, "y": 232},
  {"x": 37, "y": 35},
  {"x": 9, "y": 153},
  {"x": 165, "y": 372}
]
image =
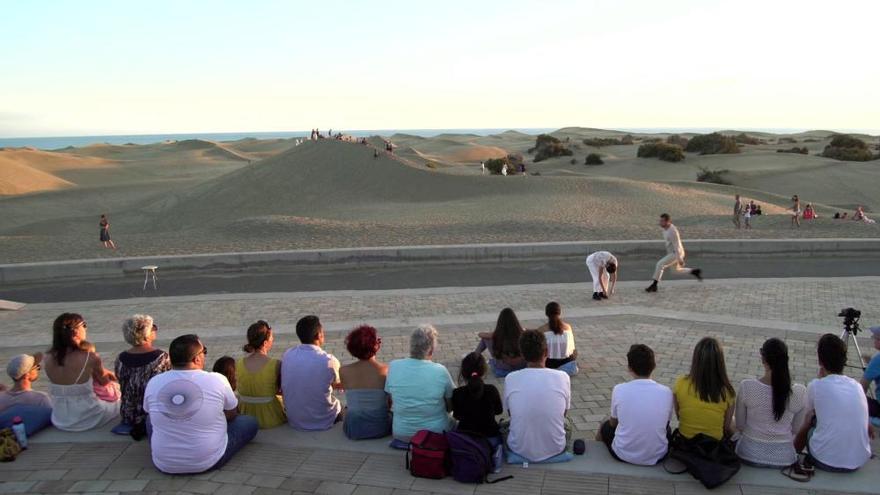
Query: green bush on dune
[
  {"x": 713, "y": 176},
  {"x": 848, "y": 148},
  {"x": 599, "y": 142},
  {"x": 790, "y": 140},
  {"x": 547, "y": 146},
  {"x": 677, "y": 140},
  {"x": 663, "y": 151},
  {"x": 801, "y": 151},
  {"x": 712, "y": 144},
  {"x": 743, "y": 138},
  {"x": 593, "y": 159},
  {"x": 495, "y": 165}
]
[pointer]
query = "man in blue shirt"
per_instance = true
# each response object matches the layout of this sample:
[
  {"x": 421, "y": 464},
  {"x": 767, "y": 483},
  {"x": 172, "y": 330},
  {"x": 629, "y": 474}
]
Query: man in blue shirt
[{"x": 872, "y": 374}]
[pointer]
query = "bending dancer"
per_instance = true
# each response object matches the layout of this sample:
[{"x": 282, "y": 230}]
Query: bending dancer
[
  {"x": 674, "y": 254},
  {"x": 105, "y": 233},
  {"x": 603, "y": 271}
]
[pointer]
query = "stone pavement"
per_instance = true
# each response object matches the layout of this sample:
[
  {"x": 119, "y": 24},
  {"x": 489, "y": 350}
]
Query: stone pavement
[{"x": 741, "y": 313}]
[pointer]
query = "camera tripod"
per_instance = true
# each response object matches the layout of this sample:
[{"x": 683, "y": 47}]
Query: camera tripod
[{"x": 850, "y": 329}]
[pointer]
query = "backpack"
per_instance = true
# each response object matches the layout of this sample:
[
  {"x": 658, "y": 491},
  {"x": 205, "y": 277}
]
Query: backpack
[
  {"x": 711, "y": 462},
  {"x": 428, "y": 455},
  {"x": 9, "y": 447},
  {"x": 471, "y": 456}
]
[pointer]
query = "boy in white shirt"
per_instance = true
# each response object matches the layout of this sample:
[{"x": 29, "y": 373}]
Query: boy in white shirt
[{"x": 640, "y": 413}]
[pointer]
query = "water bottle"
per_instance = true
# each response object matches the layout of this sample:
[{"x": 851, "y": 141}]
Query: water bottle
[{"x": 19, "y": 431}]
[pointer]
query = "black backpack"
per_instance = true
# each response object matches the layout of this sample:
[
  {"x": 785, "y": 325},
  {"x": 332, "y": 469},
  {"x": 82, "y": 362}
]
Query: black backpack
[{"x": 712, "y": 462}]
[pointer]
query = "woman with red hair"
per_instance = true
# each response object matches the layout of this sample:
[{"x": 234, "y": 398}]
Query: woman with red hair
[{"x": 367, "y": 414}]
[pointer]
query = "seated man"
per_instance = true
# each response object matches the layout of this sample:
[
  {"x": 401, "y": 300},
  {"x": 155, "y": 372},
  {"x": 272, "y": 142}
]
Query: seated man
[
  {"x": 836, "y": 430},
  {"x": 872, "y": 374},
  {"x": 640, "y": 413},
  {"x": 34, "y": 408},
  {"x": 308, "y": 377},
  {"x": 192, "y": 418},
  {"x": 537, "y": 399}
]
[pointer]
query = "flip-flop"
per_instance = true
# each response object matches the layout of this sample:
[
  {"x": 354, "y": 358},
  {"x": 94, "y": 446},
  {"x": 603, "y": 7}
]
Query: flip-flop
[{"x": 797, "y": 473}]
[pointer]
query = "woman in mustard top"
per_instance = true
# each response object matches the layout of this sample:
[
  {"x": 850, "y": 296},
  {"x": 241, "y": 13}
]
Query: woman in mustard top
[
  {"x": 259, "y": 378},
  {"x": 704, "y": 398}
]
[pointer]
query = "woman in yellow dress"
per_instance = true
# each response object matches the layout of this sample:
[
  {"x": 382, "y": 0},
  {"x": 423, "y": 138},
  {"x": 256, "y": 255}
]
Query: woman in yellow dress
[{"x": 259, "y": 378}]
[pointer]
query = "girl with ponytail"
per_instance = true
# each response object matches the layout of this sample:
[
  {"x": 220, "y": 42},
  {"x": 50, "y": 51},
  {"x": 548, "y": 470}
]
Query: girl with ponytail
[
  {"x": 475, "y": 403},
  {"x": 259, "y": 378},
  {"x": 561, "y": 352},
  {"x": 769, "y": 411}
]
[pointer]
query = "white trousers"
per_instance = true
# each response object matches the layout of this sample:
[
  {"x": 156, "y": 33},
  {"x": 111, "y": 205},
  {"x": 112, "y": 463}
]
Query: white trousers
[
  {"x": 670, "y": 261},
  {"x": 594, "y": 274}
]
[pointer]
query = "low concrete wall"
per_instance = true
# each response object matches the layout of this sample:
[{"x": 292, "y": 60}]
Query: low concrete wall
[{"x": 468, "y": 253}]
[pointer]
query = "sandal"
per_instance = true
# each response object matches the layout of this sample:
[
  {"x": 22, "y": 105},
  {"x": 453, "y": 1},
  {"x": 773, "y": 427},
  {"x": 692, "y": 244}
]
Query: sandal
[{"x": 801, "y": 471}]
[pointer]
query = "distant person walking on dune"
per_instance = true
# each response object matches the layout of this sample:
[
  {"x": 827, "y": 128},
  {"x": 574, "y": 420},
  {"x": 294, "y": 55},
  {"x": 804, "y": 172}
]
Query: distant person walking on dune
[
  {"x": 603, "y": 270},
  {"x": 795, "y": 211},
  {"x": 737, "y": 212},
  {"x": 105, "y": 233},
  {"x": 674, "y": 254},
  {"x": 482, "y": 168}
]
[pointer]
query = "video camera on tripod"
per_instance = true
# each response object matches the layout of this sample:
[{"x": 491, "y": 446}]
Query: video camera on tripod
[{"x": 851, "y": 328}]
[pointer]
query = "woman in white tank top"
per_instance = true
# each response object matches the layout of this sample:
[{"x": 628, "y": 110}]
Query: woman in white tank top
[{"x": 561, "y": 351}]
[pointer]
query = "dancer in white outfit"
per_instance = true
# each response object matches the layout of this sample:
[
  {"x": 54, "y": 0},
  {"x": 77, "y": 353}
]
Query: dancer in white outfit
[
  {"x": 674, "y": 254},
  {"x": 603, "y": 270}
]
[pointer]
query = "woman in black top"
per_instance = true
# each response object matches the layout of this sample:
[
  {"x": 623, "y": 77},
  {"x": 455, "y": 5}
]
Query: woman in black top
[{"x": 476, "y": 404}]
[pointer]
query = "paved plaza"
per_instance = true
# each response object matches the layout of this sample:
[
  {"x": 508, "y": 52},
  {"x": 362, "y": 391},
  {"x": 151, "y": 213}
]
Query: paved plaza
[{"x": 742, "y": 313}]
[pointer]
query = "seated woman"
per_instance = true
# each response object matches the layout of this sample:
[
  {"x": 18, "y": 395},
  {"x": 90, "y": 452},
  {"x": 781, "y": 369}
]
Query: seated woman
[
  {"x": 420, "y": 389},
  {"x": 367, "y": 414},
  {"x": 258, "y": 378},
  {"x": 503, "y": 344},
  {"x": 769, "y": 411},
  {"x": 809, "y": 213},
  {"x": 704, "y": 398},
  {"x": 71, "y": 372},
  {"x": 134, "y": 368},
  {"x": 561, "y": 353}
]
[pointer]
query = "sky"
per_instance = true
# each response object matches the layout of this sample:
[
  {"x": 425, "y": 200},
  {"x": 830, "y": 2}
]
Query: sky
[{"x": 109, "y": 67}]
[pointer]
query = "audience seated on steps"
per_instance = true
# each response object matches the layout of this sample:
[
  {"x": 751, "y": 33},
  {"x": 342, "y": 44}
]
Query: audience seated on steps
[
  {"x": 420, "y": 389},
  {"x": 641, "y": 410},
  {"x": 872, "y": 374},
  {"x": 704, "y": 398},
  {"x": 308, "y": 377},
  {"x": 34, "y": 408},
  {"x": 258, "y": 378},
  {"x": 367, "y": 412},
  {"x": 836, "y": 430},
  {"x": 561, "y": 351},
  {"x": 503, "y": 344},
  {"x": 135, "y": 367},
  {"x": 537, "y": 399},
  {"x": 769, "y": 411},
  {"x": 193, "y": 424}
]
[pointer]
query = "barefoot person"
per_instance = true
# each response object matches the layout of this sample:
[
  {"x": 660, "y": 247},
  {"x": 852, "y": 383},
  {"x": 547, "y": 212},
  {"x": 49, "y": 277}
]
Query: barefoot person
[
  {"x": 603, "y": 271},
  {"x": 105, "y": 233},
  {"x": 737, "y": 212},
  {"x": 674, "y": 254},
  {"x": 795, "y": 211}
]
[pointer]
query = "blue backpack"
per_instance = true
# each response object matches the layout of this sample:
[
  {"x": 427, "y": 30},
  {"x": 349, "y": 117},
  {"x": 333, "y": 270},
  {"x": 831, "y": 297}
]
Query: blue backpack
[{"x": 471, "y": 456}]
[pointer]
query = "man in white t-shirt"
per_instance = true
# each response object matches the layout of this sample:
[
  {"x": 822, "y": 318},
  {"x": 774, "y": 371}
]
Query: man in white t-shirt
[
  {"x": 836, "y": 431},
  {"x": 603, "y": 270},
  {"x": 193, "y": 423},
  {"x": 537, "y": 399},
  {"x": 675, "y": 254},
  {"x": 640, "y": 413}
]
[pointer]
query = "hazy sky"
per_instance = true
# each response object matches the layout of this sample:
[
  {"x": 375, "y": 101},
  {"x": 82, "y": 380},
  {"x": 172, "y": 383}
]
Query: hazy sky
[{"x": 119, "y": 67}]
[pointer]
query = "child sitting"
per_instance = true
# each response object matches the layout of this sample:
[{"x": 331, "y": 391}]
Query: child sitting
[
  {"x": 475, "y": 404},
  {"x": 225, "y": 365},
  {"x": 109, "y": 392}
]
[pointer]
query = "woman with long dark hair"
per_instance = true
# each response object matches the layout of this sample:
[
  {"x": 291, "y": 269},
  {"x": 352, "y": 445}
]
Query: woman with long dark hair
[
  {"x": 503, "y": 344},
  {"x": 561, "y": 352},
  {"x": 475, "y": 404},
  {"x": 71, "y": 372},
  {"x": 704, "y": 398},
  {"x": 769, "y": 411}
]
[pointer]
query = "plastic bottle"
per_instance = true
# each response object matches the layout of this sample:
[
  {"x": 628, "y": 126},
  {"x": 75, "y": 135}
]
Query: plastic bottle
[{"x": 19, "y": 431}]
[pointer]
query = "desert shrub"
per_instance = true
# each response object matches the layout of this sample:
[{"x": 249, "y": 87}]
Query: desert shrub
[
  {"x": 789, "y": 140},
  {"x": 847, "y": 148},
  {"x": 593, "y": 159},
  {"x": 713, "y": 176},
  {"x": 573, "y": 161},
  {"x": 430, "y": 164},
  {"x": 808, "y": 140},
  {"x": 599, "y": 142},
  {"x": 677, "y": 140},
  {"x": 743, "y": 138},
  {"x": 513, "y": 161},
  {"x": 663, "y": 151},
  {"x": 801, "y": 151},
  {"x": 712, "y": 144},
  {"x": 547, "y": 146}
]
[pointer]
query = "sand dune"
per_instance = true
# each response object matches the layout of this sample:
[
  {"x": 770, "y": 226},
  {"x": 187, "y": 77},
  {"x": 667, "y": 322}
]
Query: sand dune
[{"x": 17, "y": 178}]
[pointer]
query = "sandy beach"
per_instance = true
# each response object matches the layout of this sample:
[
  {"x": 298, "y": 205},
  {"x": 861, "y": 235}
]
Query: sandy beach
[{"x": 200, "y": 196}]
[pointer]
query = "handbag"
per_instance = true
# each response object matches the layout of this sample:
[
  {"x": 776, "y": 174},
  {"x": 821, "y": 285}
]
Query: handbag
[
  {"x": 9, "y": 447},
  {"x": 712, "y": 462}
]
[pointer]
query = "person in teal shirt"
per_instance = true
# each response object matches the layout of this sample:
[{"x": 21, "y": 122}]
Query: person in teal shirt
[
  {"x": 420, "y": 389},
  {"x": 872, "y": 374}
]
